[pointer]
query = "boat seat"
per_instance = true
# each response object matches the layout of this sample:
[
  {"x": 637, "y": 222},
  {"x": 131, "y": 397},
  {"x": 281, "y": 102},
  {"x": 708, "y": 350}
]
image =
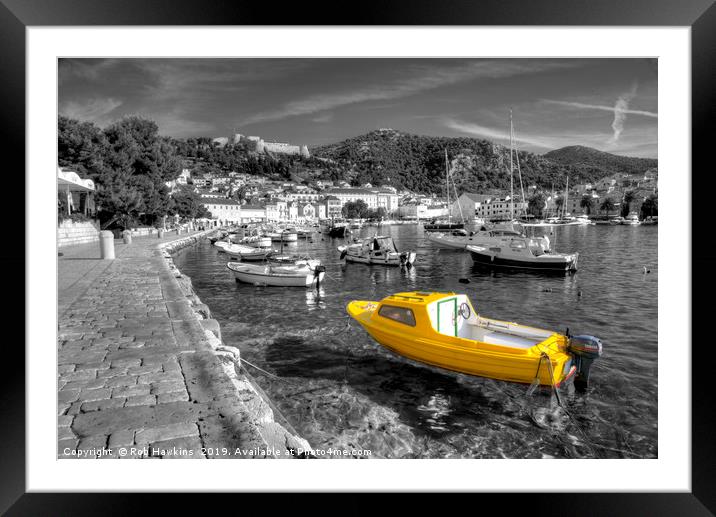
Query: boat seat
[{"x": 495, "y": 337}]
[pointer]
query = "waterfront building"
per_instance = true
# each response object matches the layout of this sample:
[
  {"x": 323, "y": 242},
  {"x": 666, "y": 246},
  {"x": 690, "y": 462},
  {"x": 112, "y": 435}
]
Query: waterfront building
[
  {"x": 74, "y": 194},
  {"x": 253, "y": 213},
  {"x": 334, "y": 207},
  {"x": 468, "y": 204},
  {"x": 346, "y": 195},
  {"x": 276, "y": 210},
  {"x": 223, "y": 209},
  {"x": 420, "y": 211}
]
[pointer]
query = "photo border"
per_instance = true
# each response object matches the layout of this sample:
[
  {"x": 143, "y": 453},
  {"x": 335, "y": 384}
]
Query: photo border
[{"x": 700, "y": 15}]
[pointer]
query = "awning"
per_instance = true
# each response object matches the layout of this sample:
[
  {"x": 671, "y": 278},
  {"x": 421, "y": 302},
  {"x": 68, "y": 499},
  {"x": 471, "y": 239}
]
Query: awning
[{"x": 69, "y": 180}]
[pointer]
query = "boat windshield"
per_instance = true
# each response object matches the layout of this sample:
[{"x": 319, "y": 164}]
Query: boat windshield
[{"x": 383, "y": 243}]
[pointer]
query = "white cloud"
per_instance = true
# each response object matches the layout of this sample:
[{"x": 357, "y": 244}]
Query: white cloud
[
  {"x": 602, "y": 108},
  {"x": 620, "y": 113},
  {"x": 421, "y": 78},
  {"x": 94, "y": 110}
]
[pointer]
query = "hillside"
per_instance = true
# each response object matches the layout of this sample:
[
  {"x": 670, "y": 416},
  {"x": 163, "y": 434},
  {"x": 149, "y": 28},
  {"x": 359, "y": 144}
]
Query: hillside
[
  {"x": 588, "y": 159},
  {"x": 418, "y": 163}
]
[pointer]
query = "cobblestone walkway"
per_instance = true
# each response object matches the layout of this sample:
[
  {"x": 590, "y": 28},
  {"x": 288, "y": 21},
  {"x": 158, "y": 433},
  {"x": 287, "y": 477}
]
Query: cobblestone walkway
[{"x": 134, "y": 367}]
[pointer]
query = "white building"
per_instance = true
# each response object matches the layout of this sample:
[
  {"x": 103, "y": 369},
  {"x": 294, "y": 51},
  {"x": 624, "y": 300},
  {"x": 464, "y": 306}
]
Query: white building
[
  {"x": 223, "y": 209},
  {"x": 420, "y": 211},
  {"x": 253, "y": 213},
  {"x": 346, "y": 195}
]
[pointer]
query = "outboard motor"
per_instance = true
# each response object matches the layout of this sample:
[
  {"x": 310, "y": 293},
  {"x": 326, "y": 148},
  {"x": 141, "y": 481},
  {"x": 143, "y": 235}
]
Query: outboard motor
[
  {"x": 405, "y": 260},
  {"x": 343, "y": 253},
  {"x": 584, "y": 349},
  {"x": 317, "y": 274}
]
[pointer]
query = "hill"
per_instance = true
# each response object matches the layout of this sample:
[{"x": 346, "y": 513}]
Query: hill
[
  {"x": 588, "y": 159},
  {"x": 417, "y": 163}
]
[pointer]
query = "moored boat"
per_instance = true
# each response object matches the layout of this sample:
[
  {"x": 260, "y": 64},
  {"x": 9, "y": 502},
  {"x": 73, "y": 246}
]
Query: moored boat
[
  {"x": 339, "y": 230},
  {"x": 278, "y": 275},
  {"x": 245, "y": 252},
  {"x": 523, "y": 253},
  {"x": 377, "y": 250},
  {"x": 444, "y": 330},
  {"x": 632, "y": 219},
  {"x": 460, "y": 239}
]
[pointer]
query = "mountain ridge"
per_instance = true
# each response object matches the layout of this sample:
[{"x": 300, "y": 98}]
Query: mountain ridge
[{"x": 417, "y": 162}]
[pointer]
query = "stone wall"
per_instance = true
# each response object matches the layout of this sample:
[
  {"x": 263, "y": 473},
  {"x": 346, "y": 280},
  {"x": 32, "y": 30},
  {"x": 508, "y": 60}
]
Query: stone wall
[
  {"x": 261, "y": 412},
  {"x": 70, "y": 233}
]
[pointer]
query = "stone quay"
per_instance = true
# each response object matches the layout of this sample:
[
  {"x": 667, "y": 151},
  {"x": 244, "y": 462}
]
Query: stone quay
[{"x": 142, "y": 371}]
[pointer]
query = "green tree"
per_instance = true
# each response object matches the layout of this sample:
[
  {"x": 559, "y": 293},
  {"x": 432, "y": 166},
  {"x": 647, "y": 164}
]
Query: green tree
[
  {"x": 559, "y": 203},
  {"x": 650, "y": 206},
  {"x": 129, "y": 162},
  {"x": 607, "y": 205},
  {"x": 187, "y": 204},
  {"x": 626, "y": 202},
  {"x": 587, "y": 203},
  {"x": 536, "y": 204},
  {"x": 355, "y": 209}
]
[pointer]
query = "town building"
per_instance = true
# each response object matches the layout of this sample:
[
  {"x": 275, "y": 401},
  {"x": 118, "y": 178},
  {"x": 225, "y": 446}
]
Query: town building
[
  {"x": 223, "y": 209},
  {"x": 334, "y": 207},
  {"x": 253, "y": 213}
]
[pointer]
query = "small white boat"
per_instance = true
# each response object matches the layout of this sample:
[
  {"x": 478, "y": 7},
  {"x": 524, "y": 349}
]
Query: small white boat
[
  {"x": 275, "y": 275},
  {"x": 292, "y": 259},
  {"x": 523, "y": 253},
  {"x": 617, "y": 220},
  {"x": 289, "y": 236},
  {"x": 583, "y": 219},
  {"x": 377, "y": 250},
  {"x": 257, "y": 241},
  {"x": 632, "y": 219},
  {"x": 245, "y": 252}
]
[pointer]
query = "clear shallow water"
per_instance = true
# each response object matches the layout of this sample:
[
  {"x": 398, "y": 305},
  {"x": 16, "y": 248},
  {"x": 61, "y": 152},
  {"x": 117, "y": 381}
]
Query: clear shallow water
[{"x": 340, "y": 389}]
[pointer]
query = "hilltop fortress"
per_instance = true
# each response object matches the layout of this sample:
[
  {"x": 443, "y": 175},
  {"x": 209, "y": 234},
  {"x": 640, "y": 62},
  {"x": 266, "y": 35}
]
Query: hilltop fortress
[{"x": 257, "y": 144}]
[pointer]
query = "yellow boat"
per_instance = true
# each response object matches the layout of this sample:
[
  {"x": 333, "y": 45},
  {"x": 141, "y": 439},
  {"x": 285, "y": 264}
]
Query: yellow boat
[{"x": 444, "y": 330}]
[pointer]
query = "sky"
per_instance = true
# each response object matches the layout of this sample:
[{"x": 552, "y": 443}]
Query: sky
[{"x": 607, "y": 104}]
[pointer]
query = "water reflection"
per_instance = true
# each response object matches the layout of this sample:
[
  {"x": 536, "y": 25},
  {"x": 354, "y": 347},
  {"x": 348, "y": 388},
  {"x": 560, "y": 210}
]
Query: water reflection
[{"x": 337, "y": 386}]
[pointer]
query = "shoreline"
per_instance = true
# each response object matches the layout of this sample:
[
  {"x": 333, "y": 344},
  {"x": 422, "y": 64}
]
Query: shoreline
[{"x": 259, "y": 406}]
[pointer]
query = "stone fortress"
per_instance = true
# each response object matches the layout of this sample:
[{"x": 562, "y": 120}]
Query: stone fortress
[{"x": 257, "y": 144}]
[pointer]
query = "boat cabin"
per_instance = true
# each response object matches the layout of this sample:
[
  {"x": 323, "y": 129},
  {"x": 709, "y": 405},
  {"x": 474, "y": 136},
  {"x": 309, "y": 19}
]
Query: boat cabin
[
  {"x": 379, "y": 244},
  {"x": 453, "y": 315}
]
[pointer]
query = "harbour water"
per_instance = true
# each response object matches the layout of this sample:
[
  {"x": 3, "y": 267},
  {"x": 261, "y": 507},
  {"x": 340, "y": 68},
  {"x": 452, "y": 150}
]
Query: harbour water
[{"x": 340, "y": 389}]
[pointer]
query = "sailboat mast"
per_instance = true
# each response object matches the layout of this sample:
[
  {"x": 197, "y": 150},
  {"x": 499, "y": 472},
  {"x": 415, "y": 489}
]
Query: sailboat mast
[
  {"x": 447, "y": 186},
  {"x": 566, "y": 196},
  {"x": 512, "y": 203}
]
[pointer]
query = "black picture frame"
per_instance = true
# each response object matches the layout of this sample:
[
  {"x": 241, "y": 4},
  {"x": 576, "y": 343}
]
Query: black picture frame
[{"x": 700, "y": 15}]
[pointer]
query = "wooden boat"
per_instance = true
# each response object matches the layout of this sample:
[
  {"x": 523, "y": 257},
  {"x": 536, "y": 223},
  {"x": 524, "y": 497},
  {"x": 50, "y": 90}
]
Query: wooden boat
[
  {"x": 377, "y": 250},
  {"x": 339, "y": 230},
  {"x": 257, "y": 241},
  {"x": 291, "y": 259},
  {"x": 278, "y": 275},
  {"x": 245, "y": 252},
  {"x": 444, "y": 330},
  {"x": 523, "y": 253}
]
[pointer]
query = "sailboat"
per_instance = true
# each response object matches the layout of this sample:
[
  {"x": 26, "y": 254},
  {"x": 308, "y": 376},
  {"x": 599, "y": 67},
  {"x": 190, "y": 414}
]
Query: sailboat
[
  {"x": 442, "y": 225},
  {"x": 497, "y": 233}
]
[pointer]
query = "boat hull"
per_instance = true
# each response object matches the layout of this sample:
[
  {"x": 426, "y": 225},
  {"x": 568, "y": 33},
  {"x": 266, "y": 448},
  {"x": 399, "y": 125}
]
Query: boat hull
[
  {"x": 383, "y": 261},
  {"x": 486, "y": 259},
  {"x": 272, "y": 278},
  {"x": 469, "y": 358},
  {"x": 443, "y": 227}
]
